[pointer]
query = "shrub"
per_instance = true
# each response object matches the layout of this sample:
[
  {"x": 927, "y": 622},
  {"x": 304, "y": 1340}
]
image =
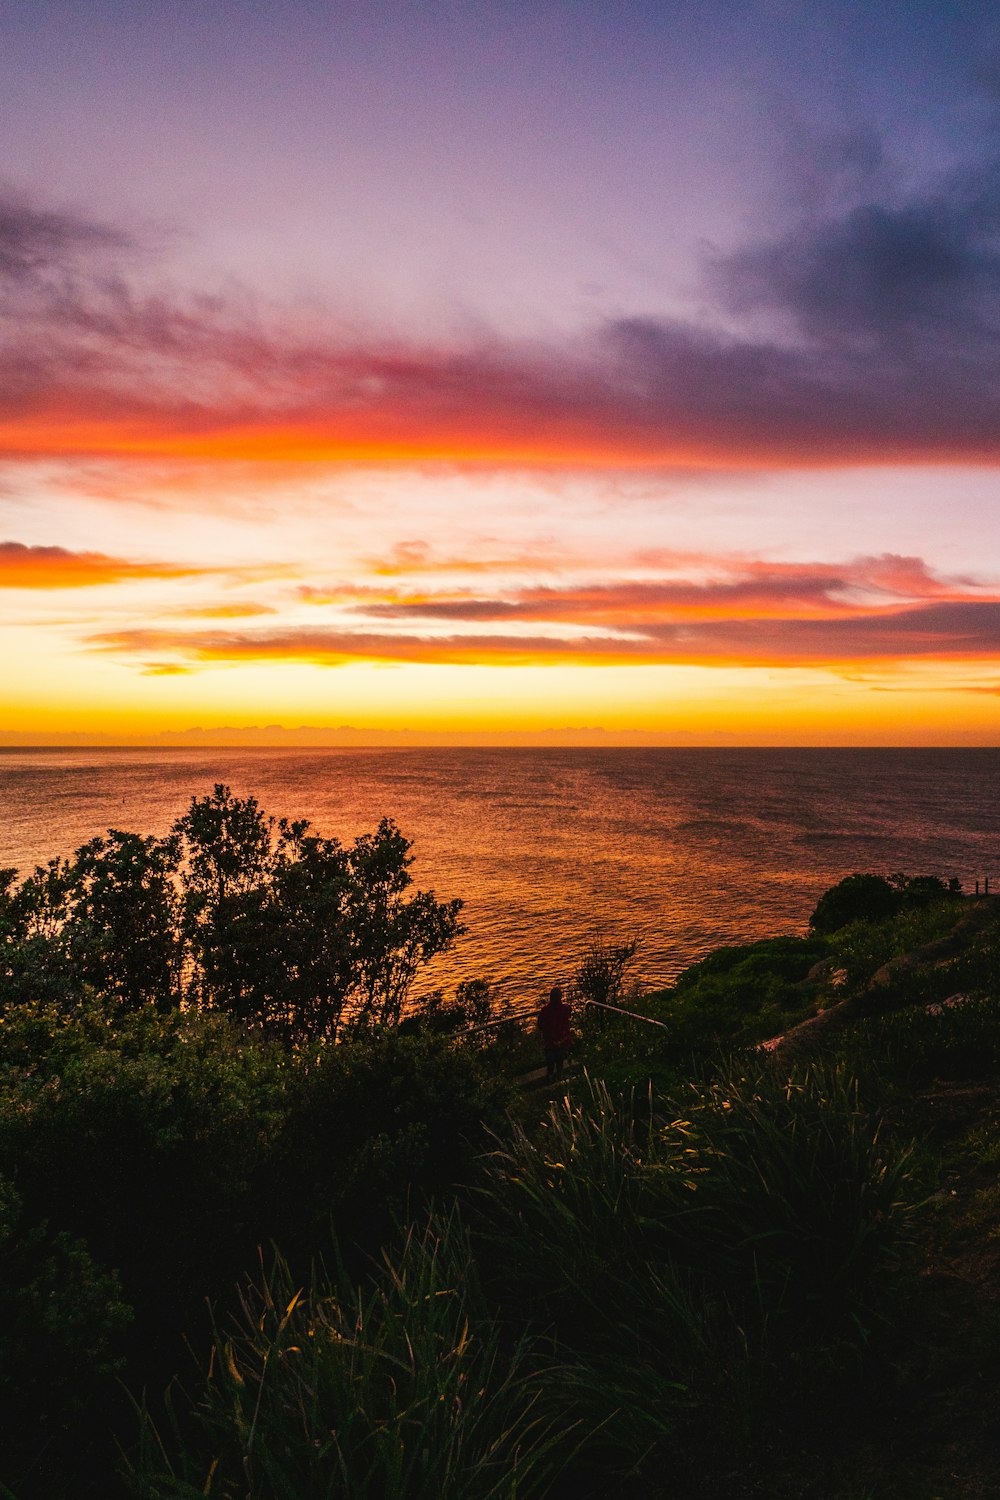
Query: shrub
[
  {"x": 861, "y": 948},
  {"x": 61, "y": 1323},
  {"x": 856, "y": 898},
  {"x": 681, "y": 1258},
  {"x": 875, "y": 898},
  {"x": 944, "y": 1040},
  {"x": 142, "y": 1134},
  {"x": 800, "y": 1201},
  {"x": 373, "y": 1126},
  {"x": 745, "y": 993},
  {"x": 600, "y": 975},
  {"x": 400, "y": 1390}
]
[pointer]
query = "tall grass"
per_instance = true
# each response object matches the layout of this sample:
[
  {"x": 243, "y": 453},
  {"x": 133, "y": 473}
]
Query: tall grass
[
  {"x": 960, "y": 1039},
  {"x": 566, "y": 1233},
  {"x": 678, "y": 1250},
  {"x": 687, "y": 1269},
  {"x": 782, "y": 1179},
  {"x": 400, "y": 1391},
  {"x": 801, "y": 1200}
]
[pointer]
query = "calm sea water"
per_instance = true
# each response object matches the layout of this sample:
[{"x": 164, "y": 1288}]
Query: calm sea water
[{"x": 687, "y": 849}]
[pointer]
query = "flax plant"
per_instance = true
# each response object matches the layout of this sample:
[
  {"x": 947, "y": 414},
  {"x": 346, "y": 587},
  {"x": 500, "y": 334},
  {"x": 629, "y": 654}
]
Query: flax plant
[
  {"x": 570, "y": 1226},
  {"x": 678, "y": 1252},
  {"x": 401, "y": 1391},
  {"x": 803, "y": 1203}
]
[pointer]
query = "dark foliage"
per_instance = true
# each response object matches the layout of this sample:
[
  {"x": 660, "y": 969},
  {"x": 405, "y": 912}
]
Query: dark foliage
[
  {"x": 148, "y": 1155},
  {"x": 743, "y": 994},
  {"x": 269, "y": 923},
  {"x": 875, "y": 898},
  {"x": 645, "y": 1284}
]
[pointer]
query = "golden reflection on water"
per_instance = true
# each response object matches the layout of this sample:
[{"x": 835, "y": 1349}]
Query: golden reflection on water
[{"x": 688, "y": 849}]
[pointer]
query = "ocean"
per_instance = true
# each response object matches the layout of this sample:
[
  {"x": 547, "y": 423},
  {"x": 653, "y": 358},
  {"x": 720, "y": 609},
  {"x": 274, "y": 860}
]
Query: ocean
[{"x": 684, "y": 849}]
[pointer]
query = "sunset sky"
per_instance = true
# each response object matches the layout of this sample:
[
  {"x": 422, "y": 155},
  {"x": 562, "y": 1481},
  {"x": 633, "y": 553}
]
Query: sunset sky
[{"x": 500, "y": 372}]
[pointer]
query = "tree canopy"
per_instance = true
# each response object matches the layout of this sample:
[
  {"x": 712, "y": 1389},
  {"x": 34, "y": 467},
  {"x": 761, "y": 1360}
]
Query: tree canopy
[
  {"x": 874, "y": 898},
  {"x": 267, "y": 921}
]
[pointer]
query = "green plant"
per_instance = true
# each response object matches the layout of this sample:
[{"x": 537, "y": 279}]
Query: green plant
[
  {"x": 743, "y": 994},
  {"x": 568, "y": 1232},
  {"x": 372, "y": 1127},
  {"x": 690, "y": 1255},
  {"x": 144, "y": 1135},
  {"x": 875, "y": 898},
  {"x": 599, "y": 977},
  {"x": 401, "y": 1390},
  {"x": 859, "y": 949},
  {"x": 856, "y": 898},
  {"x": 801, "y": 1201},
  {"x": 279, "y": 928},
  {"x": 960, "y": 1039},
  {"x": 295, "y": 933},
  {"x": 62, "y": 1321}
]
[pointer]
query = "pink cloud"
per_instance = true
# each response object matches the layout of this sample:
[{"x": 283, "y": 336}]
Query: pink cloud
[
  {"x": 96, "y": 363},
  {"x": 24, "y": 567}
]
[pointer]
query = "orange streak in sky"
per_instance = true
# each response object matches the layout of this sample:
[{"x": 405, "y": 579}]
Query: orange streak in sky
[
  {"x": 324, "y": 444},
  {"x": 384, "y": 439},
  {"x": 467, "y": 651},
  {"x": 83, "y": 570}
]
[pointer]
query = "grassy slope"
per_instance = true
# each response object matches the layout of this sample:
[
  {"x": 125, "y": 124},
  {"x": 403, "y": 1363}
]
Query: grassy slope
[
  {"x": 919, "y": 1420},
  {"x": 741, "y": 1377}
]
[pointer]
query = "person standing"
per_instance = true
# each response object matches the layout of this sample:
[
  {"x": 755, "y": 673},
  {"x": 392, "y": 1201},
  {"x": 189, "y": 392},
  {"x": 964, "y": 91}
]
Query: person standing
[{"x": 553, "y": 1023}]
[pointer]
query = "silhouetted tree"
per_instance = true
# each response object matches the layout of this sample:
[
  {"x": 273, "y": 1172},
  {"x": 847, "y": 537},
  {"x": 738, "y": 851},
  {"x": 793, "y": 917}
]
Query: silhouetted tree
[
  {"x": 122, "y": 928},
  {"x": 268, "y": 922}
]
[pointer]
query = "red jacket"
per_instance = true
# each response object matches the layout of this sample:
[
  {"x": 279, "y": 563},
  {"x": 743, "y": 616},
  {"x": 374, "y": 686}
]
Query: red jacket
[{"x": 553, "y": 1023}]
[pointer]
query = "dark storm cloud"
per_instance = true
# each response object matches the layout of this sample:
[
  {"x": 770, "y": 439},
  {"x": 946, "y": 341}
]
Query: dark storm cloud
[{"x": 885, "y": 320}]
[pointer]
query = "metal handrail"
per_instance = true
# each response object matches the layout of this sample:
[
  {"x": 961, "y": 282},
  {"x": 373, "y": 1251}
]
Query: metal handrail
[{"x": 520, "y": 1015}]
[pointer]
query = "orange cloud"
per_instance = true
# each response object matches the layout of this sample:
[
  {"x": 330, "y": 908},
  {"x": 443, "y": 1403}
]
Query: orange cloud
[
  {"x": 751, "y": 612},
  {"x": 411, "y": 557},
  {"x": 734, "y": 589},
  {"x": 94, "y": 363},
  {"x": 222, "y": 611},
  {"x": 952, "y": 631},
  {"x": 24, "y": 567}
]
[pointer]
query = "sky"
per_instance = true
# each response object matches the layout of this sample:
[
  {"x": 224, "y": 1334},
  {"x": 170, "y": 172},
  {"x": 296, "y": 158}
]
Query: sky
[{"x": 551, "y": 372}]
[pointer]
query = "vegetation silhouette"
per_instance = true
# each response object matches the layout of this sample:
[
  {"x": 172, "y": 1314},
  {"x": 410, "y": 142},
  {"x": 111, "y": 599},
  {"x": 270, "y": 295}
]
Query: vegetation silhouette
[
  {"x": 269, "y": 1228},
  {"x": 267, "y": 922}
]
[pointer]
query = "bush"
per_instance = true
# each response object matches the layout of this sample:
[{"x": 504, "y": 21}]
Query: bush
[
  {"x": 960, "y": 1039},
  {"x": 857, "y": 898},
  {"x": 745, "y": 993},
  {"x": 152, "y": 1153},
  {"x": 875, "y": 898},
  {"x": 688, "y": 1262},
  {"x": 374, "y": 1126},
  {"x": 400, "y": 1390},
  {"x": 62, "y": 1318},
  {"x": 143, "y": 1135},
  {"x": 861, "y": 948},
  {"x": 799, "y": 1200}
]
